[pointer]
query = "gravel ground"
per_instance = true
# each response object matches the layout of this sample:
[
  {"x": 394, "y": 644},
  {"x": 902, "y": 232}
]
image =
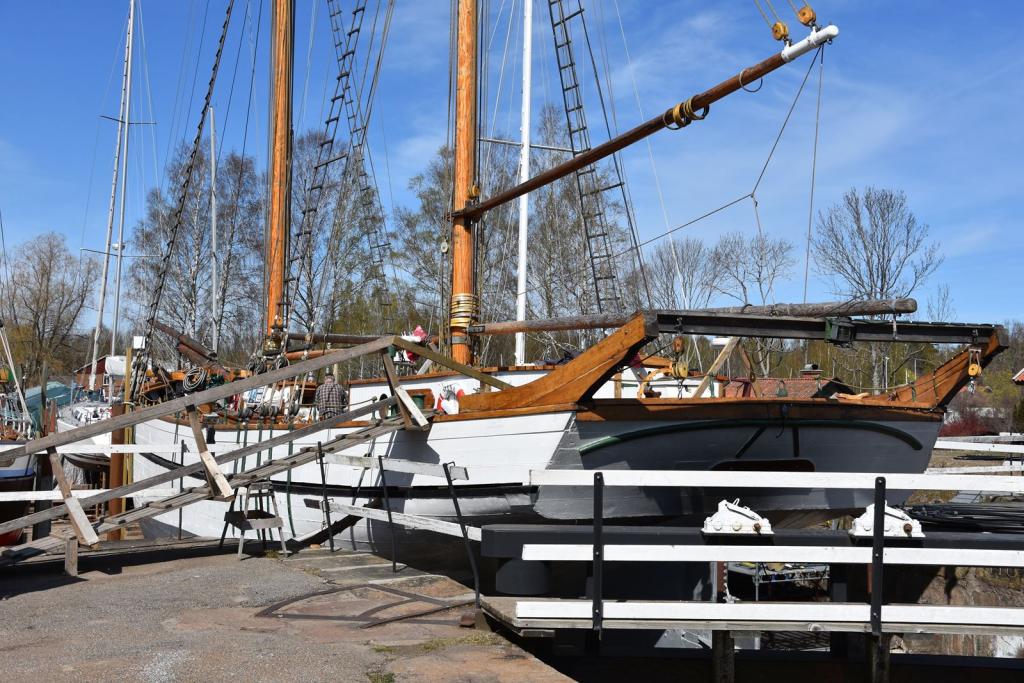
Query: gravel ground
[{"x": 195, "y": 620}]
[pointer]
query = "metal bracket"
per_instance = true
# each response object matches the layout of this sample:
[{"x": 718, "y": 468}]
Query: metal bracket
[{"x": 733, "y": 519}]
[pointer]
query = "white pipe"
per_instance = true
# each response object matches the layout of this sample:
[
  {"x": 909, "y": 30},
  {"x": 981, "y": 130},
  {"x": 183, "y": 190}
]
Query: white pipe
[
  {"x": 816, "y": 38},
  {"x": 110, "y": 209},
  {"x": 124, "y": 183},
  {"x": 524, "y": 175}
]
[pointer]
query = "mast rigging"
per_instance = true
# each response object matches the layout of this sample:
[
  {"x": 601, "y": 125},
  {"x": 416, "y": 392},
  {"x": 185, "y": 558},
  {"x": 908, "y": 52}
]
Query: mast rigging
[{"x": 681, "y": 115}]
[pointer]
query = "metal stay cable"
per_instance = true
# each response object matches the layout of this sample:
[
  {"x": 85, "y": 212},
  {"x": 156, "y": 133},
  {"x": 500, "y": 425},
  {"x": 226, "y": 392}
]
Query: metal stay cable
[
  {"x": 141, "y": 361},
  {"x": 814, "y": 170},
  {"x": 785, "y": 123}
]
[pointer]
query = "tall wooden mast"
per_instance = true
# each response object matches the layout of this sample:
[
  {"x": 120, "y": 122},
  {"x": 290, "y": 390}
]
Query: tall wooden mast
[
  {"x": 279, "y": 173},
  {"x": 464, "y": 304}
]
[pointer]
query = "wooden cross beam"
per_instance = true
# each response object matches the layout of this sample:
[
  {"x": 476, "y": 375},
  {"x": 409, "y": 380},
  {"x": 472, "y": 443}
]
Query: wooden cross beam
[
  {"x": 406, "y": 406},
  {"x": 719, "y": 362},
  {"x": 214, "y": 476},
  {"x": 76, "y": 515}
]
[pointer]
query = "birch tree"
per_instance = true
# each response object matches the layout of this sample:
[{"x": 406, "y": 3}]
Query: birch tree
[{"x": 870, "y": 245}]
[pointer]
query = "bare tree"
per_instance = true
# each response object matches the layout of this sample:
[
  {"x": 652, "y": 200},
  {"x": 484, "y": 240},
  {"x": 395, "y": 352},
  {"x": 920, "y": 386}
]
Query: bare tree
[
  {"x": 185, "y": 304},
  {"x": 871, "y": 246},
  {"x": 747, "y": 269},
  {"x": 43, "y": 304},
  {"x": 940, "y": 304},
  {"x": 680, "y": 274}
]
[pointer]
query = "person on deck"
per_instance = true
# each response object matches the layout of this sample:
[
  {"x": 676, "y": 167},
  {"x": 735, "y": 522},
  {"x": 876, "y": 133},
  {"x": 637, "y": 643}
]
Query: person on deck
[{"x": 330, "y": 398}]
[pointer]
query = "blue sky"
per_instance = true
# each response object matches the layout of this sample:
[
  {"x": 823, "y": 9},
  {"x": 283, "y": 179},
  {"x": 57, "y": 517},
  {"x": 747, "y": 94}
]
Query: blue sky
[{"x": 922, "y": 96}]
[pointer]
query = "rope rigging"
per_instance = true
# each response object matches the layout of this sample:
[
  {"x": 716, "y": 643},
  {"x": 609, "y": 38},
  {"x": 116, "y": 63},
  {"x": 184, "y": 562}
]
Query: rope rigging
[
  {"x": 733, "y": 202},
  {"x": 140, "y": 362},
  {"x": 347, "y": 102}
]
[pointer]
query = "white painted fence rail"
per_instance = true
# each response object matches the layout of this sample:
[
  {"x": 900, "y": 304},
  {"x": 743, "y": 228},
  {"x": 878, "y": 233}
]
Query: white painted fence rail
[
  {"x": 808, "y": 614},
  {"x": 980, "y": 447},
  {"x": 967, "y": 557},
  {"x": 794, "y": 480}
]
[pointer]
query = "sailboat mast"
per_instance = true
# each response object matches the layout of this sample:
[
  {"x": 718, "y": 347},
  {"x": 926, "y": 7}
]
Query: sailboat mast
[
  {"x": 215, "y": 260},
  {"x": 524, "y": 175},
  {"x": 121, "y": 123},
  {"x": 127, "y": 126},
  {"x": 279, "y": 213},
  {"x": 464, "y": 305}
]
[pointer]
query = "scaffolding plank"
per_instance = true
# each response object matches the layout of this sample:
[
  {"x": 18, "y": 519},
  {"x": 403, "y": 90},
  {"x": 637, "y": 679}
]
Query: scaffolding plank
[{"x": 412, "y": 521}]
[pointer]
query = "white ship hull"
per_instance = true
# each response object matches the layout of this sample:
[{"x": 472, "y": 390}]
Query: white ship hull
[{"x": 499, "y": 453}]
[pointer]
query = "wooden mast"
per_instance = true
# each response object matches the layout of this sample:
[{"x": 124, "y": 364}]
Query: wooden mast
[
  {"x": 279, "y": 172},
  {"x": 463, "y": 301}
]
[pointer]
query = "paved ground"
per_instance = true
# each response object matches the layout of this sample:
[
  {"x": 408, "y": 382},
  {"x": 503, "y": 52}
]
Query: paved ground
[{"x": 212, "y": 618}]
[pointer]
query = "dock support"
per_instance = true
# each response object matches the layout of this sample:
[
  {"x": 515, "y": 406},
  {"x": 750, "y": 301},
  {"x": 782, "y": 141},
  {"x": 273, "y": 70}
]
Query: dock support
[
  {"x": 723, "y": 660},
  {"x": 71, "y": 556}
]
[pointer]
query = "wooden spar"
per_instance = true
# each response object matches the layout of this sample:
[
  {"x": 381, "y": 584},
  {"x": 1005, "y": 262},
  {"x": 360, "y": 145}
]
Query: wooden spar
[
  {"x": 673, "y": 116},
  {"x": 604, "y": 320},
  {"x": 195, "y": 350},
  {"x": 463, "y": 299},
  {"x": 331, "y": 338},
  {"x": 279, "y": 173}
]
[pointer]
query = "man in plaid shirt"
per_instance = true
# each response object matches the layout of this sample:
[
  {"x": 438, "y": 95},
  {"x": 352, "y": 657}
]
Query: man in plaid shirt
[{"x": 330, "y": 399}]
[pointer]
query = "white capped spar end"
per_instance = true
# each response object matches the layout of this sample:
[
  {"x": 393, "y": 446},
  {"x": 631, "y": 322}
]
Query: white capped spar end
[{"x": 816, "y": 38}]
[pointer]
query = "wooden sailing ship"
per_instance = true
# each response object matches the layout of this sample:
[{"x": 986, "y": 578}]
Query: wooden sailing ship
[{"x": 505, "y": 422}]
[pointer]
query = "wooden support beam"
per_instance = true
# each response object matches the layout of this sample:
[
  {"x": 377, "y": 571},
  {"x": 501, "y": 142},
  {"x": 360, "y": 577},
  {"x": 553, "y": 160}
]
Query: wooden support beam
[
  {"x": 716, "y": 365},
  {"x": 749, "y": 365},
  {"x": 191, "y": 470},
  {"x": 71, "y": 556},
  {"x": 84, "y": 532},
  {"x": 209, "y": 396},
  {"x": 396, "y": 389},
  {"x": 218, "y": 482},
  {"x": 410, "y": 411},
  {"x": 443, "y": 360}
]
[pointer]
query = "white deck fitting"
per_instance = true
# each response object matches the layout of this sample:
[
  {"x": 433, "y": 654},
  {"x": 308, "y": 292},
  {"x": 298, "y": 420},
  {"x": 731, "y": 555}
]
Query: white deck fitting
[
  {"x": 963, "y": 557},
  {"x": 813, "y": 615},
  {"x": 789, "y": 480}
]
